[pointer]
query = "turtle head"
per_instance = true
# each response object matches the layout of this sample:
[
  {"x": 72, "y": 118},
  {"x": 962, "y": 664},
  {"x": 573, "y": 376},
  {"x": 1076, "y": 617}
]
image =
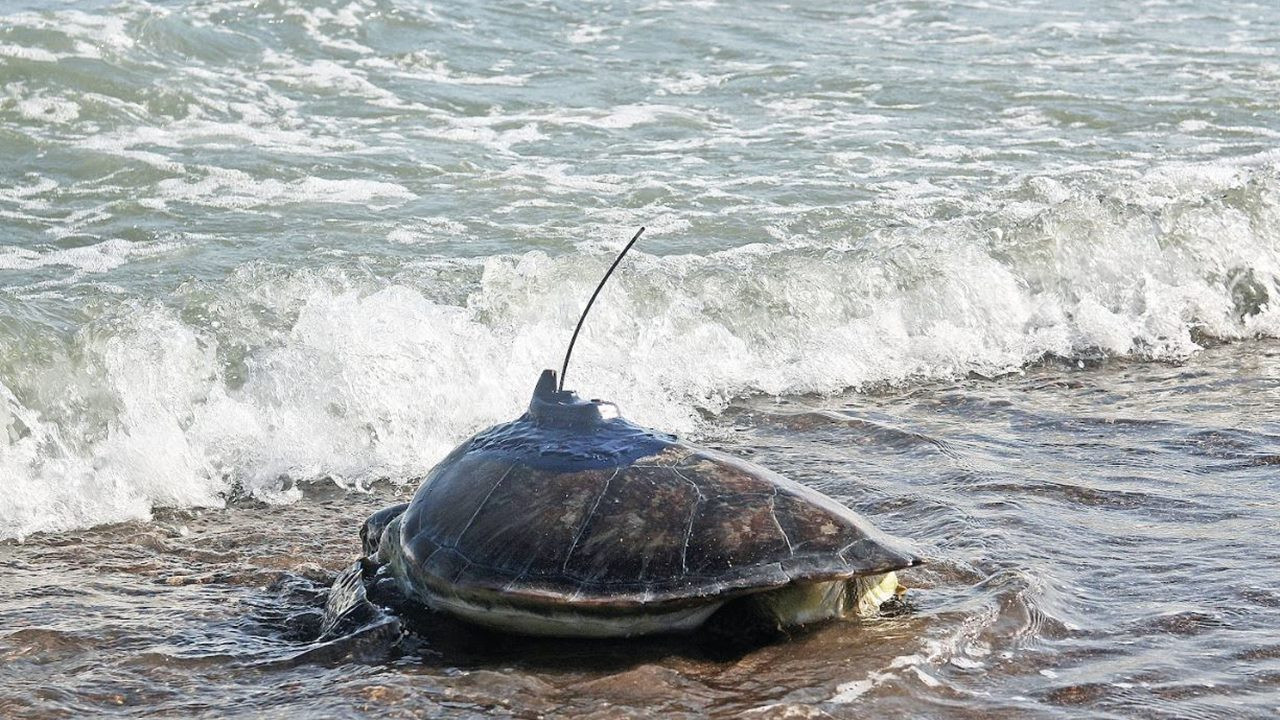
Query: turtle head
[
  {"x": 563, "y": 408},
  {"x": 372, "y": 530}
]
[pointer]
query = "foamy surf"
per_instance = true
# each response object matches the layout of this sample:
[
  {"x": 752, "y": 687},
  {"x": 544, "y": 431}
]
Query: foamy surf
[
  {"x": 263, "y": 256},
  {"x": 281, "y": 376}
]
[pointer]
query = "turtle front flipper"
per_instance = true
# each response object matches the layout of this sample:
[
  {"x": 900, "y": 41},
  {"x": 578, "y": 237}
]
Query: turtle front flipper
[
  {"x": 347, "y": 610},
  {"x": 371, "y": 531}
]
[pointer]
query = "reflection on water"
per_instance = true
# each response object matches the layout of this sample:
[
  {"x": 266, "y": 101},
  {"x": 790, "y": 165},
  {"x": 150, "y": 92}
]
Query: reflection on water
[{"x": 1101, "y": 540}]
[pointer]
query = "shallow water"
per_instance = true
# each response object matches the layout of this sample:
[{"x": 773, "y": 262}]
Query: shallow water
[
  {"x": 263, "y": 262},
  {"x": 1100, "y": 543}
]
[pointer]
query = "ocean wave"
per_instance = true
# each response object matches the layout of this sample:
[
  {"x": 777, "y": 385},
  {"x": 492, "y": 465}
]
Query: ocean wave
[
  {"x": 96, "y": 258},
  {"x": 282, "y": 375},
  {"x": 234, "y": 189}
]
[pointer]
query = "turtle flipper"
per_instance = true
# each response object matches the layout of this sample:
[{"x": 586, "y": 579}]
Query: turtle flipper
[{"x": 348, "y": 606}]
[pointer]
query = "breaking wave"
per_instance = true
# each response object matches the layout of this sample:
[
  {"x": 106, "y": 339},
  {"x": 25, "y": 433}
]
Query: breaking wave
[{"x": 278, "y": 376}]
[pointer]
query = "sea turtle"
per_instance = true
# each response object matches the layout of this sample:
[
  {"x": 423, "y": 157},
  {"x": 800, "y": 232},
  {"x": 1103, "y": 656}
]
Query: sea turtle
[{"x": 571, "y": 521}]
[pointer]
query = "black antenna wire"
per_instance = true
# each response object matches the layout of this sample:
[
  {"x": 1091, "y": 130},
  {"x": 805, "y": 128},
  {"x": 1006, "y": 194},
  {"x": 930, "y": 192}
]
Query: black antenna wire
[{"x": 565, "y": 367}]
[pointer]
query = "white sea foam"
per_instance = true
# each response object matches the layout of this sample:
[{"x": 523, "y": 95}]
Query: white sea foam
[
  {"x": 49, "y": 109},
  {"x": 620, "y": 117},
  {"x": 20, "y": 52},
  {"x": 424, "y": 65},
  {"x": 584, "y": 34},
  {"x": 55, "y": 479},
  {"x": 30, "y": 195},
  {"x": 558, "y": 179},
  {"x": 356, "y": 379},
  {"x": 427, "y": 230},
  {"x": 227, "y": 188},
  {"x": 198, "y": 132},
  {"x": 922, "y": 221},
  {"x": 90, "y": 34},
  {"x": 96, "y": 258},
  {"x": 480, "y": 131},
  {"x": 325, "y": 76},
  {"x": 689, "y": 83}
]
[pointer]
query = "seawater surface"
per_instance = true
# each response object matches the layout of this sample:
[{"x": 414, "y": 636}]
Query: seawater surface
[
  {"x": 1001, "y": 276},
  {"x": 1100, "y": 544}
]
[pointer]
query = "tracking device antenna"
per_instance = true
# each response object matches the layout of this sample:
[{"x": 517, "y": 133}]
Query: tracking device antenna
[{"x": 565, "y": 367}]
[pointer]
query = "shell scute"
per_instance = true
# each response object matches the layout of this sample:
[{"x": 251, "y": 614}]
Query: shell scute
[
  {"x": 439, "y": 505},
  {"x": 637, "y": 529},
  {"x": 730, "y": 533},
  {"x": 812, "y": 530},
  {"x": 736, "y": 478}
]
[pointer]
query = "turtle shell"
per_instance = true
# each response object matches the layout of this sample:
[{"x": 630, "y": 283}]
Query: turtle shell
[{"x": 570, "y": 503}]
